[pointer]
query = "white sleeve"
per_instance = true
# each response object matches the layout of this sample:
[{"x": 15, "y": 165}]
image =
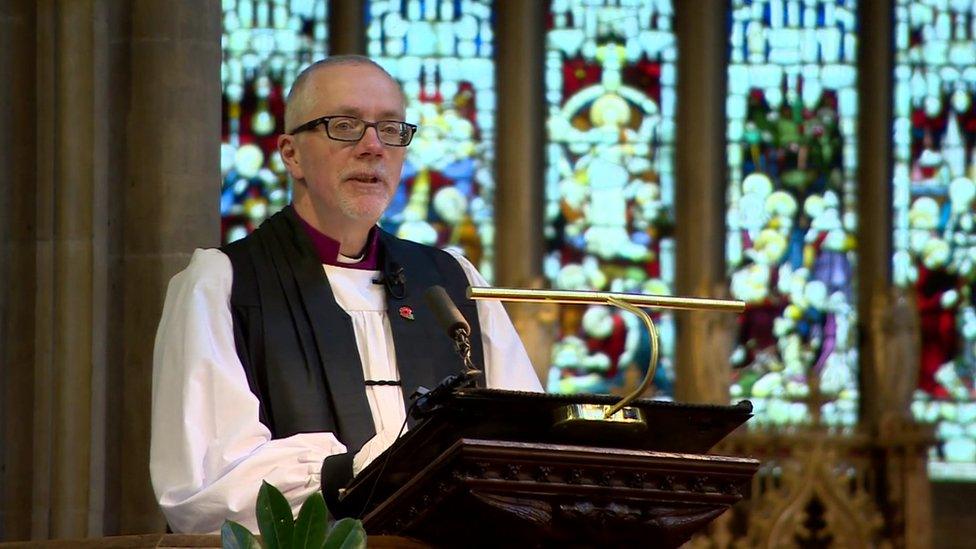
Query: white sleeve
[
  {"x": 507, "y": 364},
  {"x": 209, "y": 451}
]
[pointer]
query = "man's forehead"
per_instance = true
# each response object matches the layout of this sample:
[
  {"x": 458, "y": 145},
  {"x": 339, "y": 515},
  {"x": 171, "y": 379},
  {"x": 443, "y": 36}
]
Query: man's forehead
[
  {"x": 353, "y": 110},
  {"x": 339, "y": 89}
]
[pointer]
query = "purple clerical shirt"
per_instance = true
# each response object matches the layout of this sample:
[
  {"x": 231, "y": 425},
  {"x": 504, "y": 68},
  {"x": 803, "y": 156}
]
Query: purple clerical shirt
[{"x": 328, "y": 249}]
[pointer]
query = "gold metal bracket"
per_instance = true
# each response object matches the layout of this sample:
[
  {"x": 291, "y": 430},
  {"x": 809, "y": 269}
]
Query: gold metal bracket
[
  {"x": 584, "y": 416},
  {"x": 651, "y": 366},
  {"x": 594, "y": 419}
]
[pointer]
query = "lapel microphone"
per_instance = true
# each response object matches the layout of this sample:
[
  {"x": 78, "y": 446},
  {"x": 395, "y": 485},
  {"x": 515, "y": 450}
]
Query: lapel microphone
[{"x": 395, "y": 280}]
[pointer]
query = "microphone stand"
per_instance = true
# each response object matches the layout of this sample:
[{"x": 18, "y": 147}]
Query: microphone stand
[
  {"x": 427, "y": 401},
  {"x": 462, "y": 346}
]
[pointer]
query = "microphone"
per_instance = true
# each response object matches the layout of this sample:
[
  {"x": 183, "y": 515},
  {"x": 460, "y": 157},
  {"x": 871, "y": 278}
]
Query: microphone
[
  {"x": 446, "y": 312},
  {"x": 458, "y": 329},
  {"x": 394, "y": 279}
]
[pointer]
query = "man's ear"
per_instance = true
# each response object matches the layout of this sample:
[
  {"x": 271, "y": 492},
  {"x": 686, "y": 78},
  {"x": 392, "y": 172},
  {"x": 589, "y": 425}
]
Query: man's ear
[{"x": 290, "y": 156}]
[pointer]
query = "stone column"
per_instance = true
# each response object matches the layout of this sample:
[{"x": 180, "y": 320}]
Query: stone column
[
  {"x": 704, "y": 338},
  {"x": 347, "y": 27},
  {"x": 111, "y": 83},
  {"x": 80, "y": 109},
  {"x": 65, "y": 307},
  {"x": 110, "y": 177},
  {"x": 888, "y": 355},
  {"x": 171, "y": 202},
  {"x": 17, "y": 273},
  {"x": 520, "y": 165},
  {"x": 70, "y": 243},
  {"x": 520, "y": 142},
  {"x": 874, "y": 190}
]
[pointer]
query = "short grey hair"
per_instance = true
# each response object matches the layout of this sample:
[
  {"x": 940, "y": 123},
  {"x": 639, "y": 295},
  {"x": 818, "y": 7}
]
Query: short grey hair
[{"x": 295, "y": 99}]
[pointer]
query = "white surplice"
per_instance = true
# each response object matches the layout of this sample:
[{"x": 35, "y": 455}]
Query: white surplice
[{"x": 210, "y": 452}]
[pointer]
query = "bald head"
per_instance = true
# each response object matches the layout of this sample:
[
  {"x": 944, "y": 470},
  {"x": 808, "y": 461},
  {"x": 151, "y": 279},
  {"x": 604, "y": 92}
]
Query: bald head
[{"x": 300, "y": 101}]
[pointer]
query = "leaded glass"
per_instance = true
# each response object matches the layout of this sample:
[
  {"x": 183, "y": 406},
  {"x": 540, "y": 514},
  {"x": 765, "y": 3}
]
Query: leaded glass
[
  {"x": 265, "y": 44},
  {"x": 610, "y": 95},
  {"x": 791, "y": 196},
  {"x": 934, "y": 221},
  {"x": 441, "y": 53}
]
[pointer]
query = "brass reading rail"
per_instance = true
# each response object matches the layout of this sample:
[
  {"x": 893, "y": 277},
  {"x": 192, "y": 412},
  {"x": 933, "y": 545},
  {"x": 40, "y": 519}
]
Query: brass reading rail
[
  {"x": 601, "y": 298},
  {"x": 629, "y": 302}
]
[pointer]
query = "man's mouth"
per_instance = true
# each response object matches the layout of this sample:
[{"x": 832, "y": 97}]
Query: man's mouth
[{"x": 364, "y": 178}]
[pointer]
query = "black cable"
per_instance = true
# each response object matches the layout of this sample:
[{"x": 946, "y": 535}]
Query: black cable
[{"x": 379, "y": 475}]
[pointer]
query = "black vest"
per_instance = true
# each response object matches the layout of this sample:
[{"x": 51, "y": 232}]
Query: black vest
[{"x": 297, "y": 345}]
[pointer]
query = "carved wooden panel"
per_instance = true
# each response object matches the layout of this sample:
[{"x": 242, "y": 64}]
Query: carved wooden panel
[{"x": 492, "y": 493}]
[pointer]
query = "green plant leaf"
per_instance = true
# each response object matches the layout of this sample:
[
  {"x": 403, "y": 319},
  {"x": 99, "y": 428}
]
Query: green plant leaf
[
  {"x": 274, "y": 517},
  {"x": 346, "y": 534},
  {"x": 310, "y": 528},
  {"x": 235, "y": 536}
]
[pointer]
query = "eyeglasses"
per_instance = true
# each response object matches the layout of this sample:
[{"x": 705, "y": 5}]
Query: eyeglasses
[{"x": 349, "y": 128}]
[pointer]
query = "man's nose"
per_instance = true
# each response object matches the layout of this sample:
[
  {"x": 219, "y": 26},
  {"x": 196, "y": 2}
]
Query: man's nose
[{"x": 370, "y": 142}]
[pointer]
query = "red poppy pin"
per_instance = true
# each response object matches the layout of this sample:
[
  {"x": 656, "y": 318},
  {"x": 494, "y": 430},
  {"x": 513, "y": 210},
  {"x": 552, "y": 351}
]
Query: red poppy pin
[{"x": 406, "y": 312}]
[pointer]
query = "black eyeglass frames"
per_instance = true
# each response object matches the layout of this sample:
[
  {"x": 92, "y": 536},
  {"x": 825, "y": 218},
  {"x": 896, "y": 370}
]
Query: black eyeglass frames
[{"x": 394, "y": 133}]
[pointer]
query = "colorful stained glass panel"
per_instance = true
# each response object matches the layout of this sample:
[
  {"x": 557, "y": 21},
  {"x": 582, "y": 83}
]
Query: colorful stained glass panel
[
  {"x": 934, "y": 240},
  {"x": 610, "y": 94},
  {"x": 791, "y": 196}
]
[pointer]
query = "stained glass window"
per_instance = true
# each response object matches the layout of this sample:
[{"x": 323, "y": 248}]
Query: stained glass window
[
  {"x": 610, "y": 94},
  {"x": 934, "y": 241},
  {"x": 791, "y": 218},
  {"x": 265, "y": 44},
  {"x": 441, "y": 52}
]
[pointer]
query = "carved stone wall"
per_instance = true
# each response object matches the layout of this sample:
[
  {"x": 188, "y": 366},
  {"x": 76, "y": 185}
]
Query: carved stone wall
[
  {"x": 823, "y": 488},
  {"x": 106, "y": 173}
]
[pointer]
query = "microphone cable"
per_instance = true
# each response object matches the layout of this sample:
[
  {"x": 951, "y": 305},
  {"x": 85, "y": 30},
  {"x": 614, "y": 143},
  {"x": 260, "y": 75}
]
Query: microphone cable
[{"x": 386, "y": 460}]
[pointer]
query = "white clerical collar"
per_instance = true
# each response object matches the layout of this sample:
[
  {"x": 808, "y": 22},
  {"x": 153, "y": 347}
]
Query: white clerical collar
[{"x": 349, "y": 260}]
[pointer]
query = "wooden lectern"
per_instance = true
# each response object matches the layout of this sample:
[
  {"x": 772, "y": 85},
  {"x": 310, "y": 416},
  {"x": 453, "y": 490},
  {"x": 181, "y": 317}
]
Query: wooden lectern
[{"x": 491, "y": 468}]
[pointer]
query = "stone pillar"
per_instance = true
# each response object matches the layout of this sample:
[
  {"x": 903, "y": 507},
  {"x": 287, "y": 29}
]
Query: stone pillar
[
  {"x": 874, "y": 190},
  {"x": 520, "y": 142},
  {"x": 109, "y": 175},
  {"x": 17, "y": 273},
  {"x": 68, "y": 241},
  {"x": 704, "y": 338},
  {"x": 347, "y": 27},
  {"x": 520, "y": 166},
  {"x": 171, "y": 202},
  {"x": 111, "y": 23},
  {"x": 64, "y": 307},
  {"x": 80, "y": 106},
  {"x": 888, "y": 359}
]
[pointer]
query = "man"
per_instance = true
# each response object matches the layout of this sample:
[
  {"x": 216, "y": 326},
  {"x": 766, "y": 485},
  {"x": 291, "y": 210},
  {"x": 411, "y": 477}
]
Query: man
[{"x": 305, "y": 339}]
